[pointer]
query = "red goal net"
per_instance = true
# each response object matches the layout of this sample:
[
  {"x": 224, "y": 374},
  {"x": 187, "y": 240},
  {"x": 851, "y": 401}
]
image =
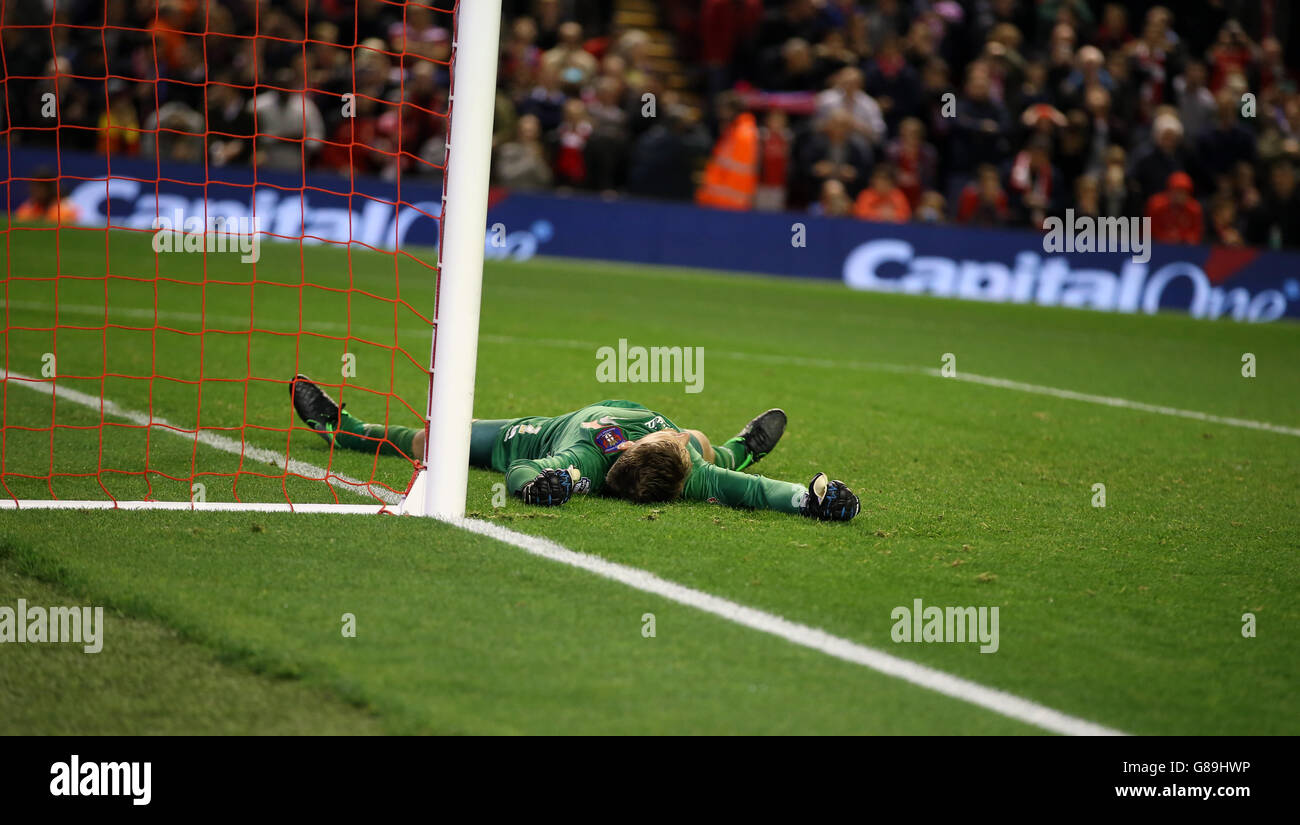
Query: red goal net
[{"x": 206, "y": 198}]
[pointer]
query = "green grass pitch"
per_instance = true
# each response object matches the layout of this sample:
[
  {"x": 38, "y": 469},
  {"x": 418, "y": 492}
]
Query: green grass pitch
[{"x": 1128, "y": 615}]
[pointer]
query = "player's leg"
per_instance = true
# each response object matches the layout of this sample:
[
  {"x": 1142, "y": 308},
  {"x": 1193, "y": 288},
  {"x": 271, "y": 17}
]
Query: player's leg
[
  {"x": 339, "y": 427},
  {"x": 756, "y": 440}
]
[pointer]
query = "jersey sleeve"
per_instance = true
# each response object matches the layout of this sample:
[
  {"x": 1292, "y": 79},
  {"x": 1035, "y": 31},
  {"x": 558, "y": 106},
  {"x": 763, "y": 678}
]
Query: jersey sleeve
[
  {"x": 708, "y": 482},
  {"x": 590, "y": 462}
]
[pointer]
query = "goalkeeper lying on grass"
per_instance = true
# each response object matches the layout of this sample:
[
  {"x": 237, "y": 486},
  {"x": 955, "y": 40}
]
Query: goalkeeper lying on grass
[{"x": 616, "y": 448}]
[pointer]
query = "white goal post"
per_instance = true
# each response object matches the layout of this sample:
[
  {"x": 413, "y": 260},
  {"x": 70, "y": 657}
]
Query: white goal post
[{"x": 460, "y": 255}]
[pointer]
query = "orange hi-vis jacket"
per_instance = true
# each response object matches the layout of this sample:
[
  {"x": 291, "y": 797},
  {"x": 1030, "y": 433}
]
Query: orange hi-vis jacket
[{"x": 731, "y": 177}]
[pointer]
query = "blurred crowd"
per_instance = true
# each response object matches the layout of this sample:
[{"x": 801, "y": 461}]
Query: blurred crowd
[
  {"x": 140, "y": 78},
  {"x": 1008, "y": 112},
  {"x": 976, "y": 112}
]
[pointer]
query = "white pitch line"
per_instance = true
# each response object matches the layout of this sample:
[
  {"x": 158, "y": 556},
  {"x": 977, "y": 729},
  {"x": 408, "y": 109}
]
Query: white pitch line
[
  {"x": 200, "y": 506},
  {"x": 1000, "y": 702},
  {"x": 205, "y": 437},
  {"x": 765, "y": 358},
  {"x": 1111, "y": 401}
]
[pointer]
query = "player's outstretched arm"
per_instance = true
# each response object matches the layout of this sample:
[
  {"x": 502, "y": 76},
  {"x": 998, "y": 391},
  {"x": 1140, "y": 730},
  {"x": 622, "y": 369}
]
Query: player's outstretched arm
[{"x": 820, "y": 499}]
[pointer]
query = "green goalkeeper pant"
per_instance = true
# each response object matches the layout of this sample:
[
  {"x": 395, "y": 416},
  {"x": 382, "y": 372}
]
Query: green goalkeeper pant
[{"x": 483, "y": 435}]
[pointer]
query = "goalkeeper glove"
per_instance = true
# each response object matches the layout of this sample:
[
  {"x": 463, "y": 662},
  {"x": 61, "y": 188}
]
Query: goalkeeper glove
[
  {"x": 829, "y": 500},
  {"x": 549, "y": 489}
]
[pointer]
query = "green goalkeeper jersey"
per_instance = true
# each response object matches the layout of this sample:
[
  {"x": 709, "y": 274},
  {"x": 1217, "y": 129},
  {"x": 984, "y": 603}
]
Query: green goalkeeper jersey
[{"x": 588, "y": 440}]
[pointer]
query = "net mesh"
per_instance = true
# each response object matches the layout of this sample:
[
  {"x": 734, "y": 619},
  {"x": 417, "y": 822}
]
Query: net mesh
[{"x": 205, "y": 199}]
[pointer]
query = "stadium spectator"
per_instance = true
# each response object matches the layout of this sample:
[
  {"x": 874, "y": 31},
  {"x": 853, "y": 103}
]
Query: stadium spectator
[
  {"x": 886, "y": 18},
  {"x": 833, "y": 53},
  {"x": 568, "y": 59},
  {"x": 1162, "y": 157},
  {"x": 1112, "y": 32},
  {"x": 664, "y": 157},
  {"x": 846, "y": 94},
  {"x": 175, "y": 133},
  {"x": 1035, "y": 184},
  {"x": 570, "y": 150},
  {"x": 793, "y": 19},
  {"x": 520, "y": 56},
  {"x": 1090, "y": 70},
  {"x": 289, "y": 126},
  {"x": 1175, "y": 215},
  {"x": 545, "y": 100},
  {"x": 933, "y": 208},
  {"x": 522, "y": 163},
  {"x": 45, "y": 203},
  {"x": 726, "y": 30},
  {"x": 1117, "y": 196},
  {"x": 1076, "y": 153},
  {"x": 882, "y": 201},
  {"x": 1104, "y": 128},
  {"x": 608, "y": 141},
  {"x": 834, "y": 152},
  {"x": 1196, "y": 103},
  {"x": 1157, "y": 55},
  {"x": 1002, "y": 52},
  {"x": 634, "y": 50},
  {"x": 834, "y": 200},
  {"x": 355, "y": 141},
  {"x": 74, "y": 106},
  {"x": 119, "y": 128},
  {"x": 1275, "y": 223},
  {"x": 731, "y": 176},
  {"x": 413, "y": 127},
  {"x": 893, "y": 83},
  {"x": 1225, "y": 143},
  {"x": 774, "y": 161},
  {"x": 229, "y": 124},
  {"x": 1233, "y": 53},
  {"x": 792, "y": 69},
  {"x": 1225, "y": 228},
  {"x": 920, "y": 46},
  {"x": 980, "y": 127},
  {"x": 983, "y": 201},
  {"x": 917, "y": 162}
]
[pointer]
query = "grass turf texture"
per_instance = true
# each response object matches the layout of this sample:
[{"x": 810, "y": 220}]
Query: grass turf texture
[{"x": 972, "y": 495}]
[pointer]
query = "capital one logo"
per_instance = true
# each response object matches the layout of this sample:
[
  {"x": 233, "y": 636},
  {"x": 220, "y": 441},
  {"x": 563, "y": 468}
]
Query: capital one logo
[{"x": 1051, "y": 281}]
